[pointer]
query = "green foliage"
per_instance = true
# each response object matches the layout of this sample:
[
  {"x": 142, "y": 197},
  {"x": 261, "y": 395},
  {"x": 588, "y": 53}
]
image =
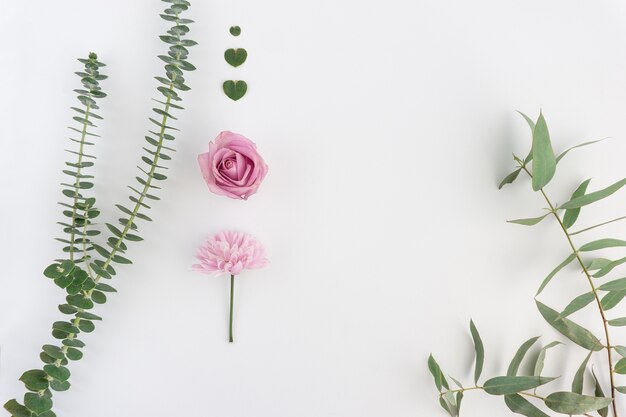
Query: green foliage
[
  {"x": 521, "y": 405},
  {"x": 235, "y": 30},
  {"x": 519, "y": 356},
  {"x": 78, "y": 207},
  {"x": 235, "y": 56},
  {"x": 603, "y": 294},
  {"x": 544, "y": 161},
  {"x": 87, "y": 262},
  {"x": 502, "y": 385},
  {"x": 480, "y": 351},
  {"x": 235, "y": 89},
  {"x": 573, "y": 403},
  {"x": 571, "y": 215}
]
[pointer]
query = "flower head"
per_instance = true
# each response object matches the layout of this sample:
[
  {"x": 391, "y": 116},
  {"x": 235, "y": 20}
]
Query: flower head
[
  {"x": 230, "y": 253},
  {"x": 232, "y": 166}
]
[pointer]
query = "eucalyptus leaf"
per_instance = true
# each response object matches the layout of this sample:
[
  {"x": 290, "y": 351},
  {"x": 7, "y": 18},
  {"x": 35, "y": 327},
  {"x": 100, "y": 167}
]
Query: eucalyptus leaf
[
  {"x": 573, "y": 403},
  {"x": 542, "y": 357},
  {"x": 544, "y": 161},
  {"x": 620, "y": 367},
  {"x": 479, "y": 349},
  {"x": 530, "y": 221},
  {"x": 503, "y": 385},
  {"x": 578, "y": 303},
  {"x": 598, "y": 392},
  {"x": 621, "y": 350},
  {"x": 38, "y": 404},
  {"x": 565, "y": 152},
  {"x": 593, "y": 197},
  {"x": 435, "y": 370},
  {"x": 35, "y": 379},
  {"x": 571, "y": 215},
  {"x": 609, "y": 267},
  {"x": 579, "y": 378},
  {"x": 555, "y": 271},
  {"x": 612, "y": 299},
  {"x": 509, "y": 179},
  {"x": 615, "y": 285},
  {"x": 620, "y": 322},
  {"x": 16, "y": 409},
  {"x": 521, "y": 405},
  {"x": 602, "y": 244},
  {"x": 569, "y": 329},
  {"x": 519, "y": 356}
]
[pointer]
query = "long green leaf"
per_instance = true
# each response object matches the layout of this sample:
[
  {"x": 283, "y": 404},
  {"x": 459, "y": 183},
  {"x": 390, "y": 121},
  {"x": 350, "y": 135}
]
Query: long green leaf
[
  {"x": 612, "y": 299},
  {"x": 542, "y": 357},
  {"x": 503, "y": 385},
  {"x": 480, "y": 351},
  {"x": 565, "y": 152},
  {"x": 544, "y": 161},
  {"x": 531, "y": 124},
  {"x": 620, "y": 367},
  {"x": 435, "y": 370},
  {"x": 571, "y": 215},
  {"x": 621, "y": 322},
  {"x": 529, "y": 222},
  {"x": 609, "y": 267},
  {"x": 573, "y": 403},
  {"x": 555, "y": 271},
  {"x": 595, "y": 196},
  {"x": 521, "y": 405},
  {"x": 602, "y": 244},
  {"x": 519, "y": 356},
  {"x": 509, "y": 179},
  {"x": 569, "y": 329},
  {"x": 579, "y": 378},
  {"x": 621, "y": 350},
  {"x": 615, "y": 285},
  {"x": 578, "y": 303},
  {"x": 598, "y": 392}
]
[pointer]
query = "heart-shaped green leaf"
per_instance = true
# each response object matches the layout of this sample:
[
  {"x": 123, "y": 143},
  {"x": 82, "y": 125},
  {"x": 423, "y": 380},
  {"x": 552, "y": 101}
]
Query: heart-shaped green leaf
[
  {"x": 235, "y": 89},
  {"x": 236, "y": 57},
  {"x": 16, "y": 409},
  {"x": 36, "y": 403},
  {"x": 235, "y": 30}
]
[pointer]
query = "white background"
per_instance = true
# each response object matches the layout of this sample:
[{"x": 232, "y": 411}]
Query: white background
[{"x": 386, "y": 125}]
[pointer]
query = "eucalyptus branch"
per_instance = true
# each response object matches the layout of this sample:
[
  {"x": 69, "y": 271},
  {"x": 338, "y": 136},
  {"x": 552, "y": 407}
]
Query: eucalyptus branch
[
  {"x": 576, "y": 252},
  {"x": 85, "y": 289},
  {"x": 80, "y": 209},
  {"x": 514, "y": 387}
]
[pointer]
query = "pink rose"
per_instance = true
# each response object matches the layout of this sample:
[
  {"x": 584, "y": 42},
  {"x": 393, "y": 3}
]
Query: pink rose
[{"x": 232, "y": 166}]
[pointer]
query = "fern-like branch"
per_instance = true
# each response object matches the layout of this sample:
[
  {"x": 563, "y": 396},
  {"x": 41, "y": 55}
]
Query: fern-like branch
[{"x": 84, "y": 289}]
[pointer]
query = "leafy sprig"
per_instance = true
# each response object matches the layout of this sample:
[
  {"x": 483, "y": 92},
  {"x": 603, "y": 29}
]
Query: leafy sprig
[
  {"x": 540, "y": 165},
  {"x": 81, "y": 274}
]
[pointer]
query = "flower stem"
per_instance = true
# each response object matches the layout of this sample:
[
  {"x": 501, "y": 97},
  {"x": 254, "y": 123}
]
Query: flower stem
[
  {"x": 608, "y": 346},
  {"x": 232, "y": 302}
]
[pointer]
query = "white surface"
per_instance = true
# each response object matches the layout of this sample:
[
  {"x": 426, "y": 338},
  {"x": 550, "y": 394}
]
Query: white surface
[{"x": 386, "y": 126}]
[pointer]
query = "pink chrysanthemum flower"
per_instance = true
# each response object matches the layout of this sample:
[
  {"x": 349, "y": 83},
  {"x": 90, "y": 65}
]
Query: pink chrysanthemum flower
[{"x": 230, "y": 253}]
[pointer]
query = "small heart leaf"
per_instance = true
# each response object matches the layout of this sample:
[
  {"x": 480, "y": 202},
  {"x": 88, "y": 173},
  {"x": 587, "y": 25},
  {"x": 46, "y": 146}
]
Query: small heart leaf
[
  {"x": 235, "y": 89},
  {"x": 235, "y": 30},
  {"x": 235, "y": 57}
]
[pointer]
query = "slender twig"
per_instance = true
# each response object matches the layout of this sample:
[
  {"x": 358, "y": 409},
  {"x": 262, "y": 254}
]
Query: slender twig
[
  {"x": 597, "y": 225},
  {"x": 232, "y": 302},
  {"x": 608, "y": 346}
]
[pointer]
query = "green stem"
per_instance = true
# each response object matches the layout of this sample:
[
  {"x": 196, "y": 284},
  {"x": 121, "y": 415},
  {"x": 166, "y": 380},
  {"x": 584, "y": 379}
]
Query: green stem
[
  {"x": 232, "y": 302},
  {"x": 146, "y": 187},
  {"x": 78, "y": 171},
  {"x": 553, "y": 210}
]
